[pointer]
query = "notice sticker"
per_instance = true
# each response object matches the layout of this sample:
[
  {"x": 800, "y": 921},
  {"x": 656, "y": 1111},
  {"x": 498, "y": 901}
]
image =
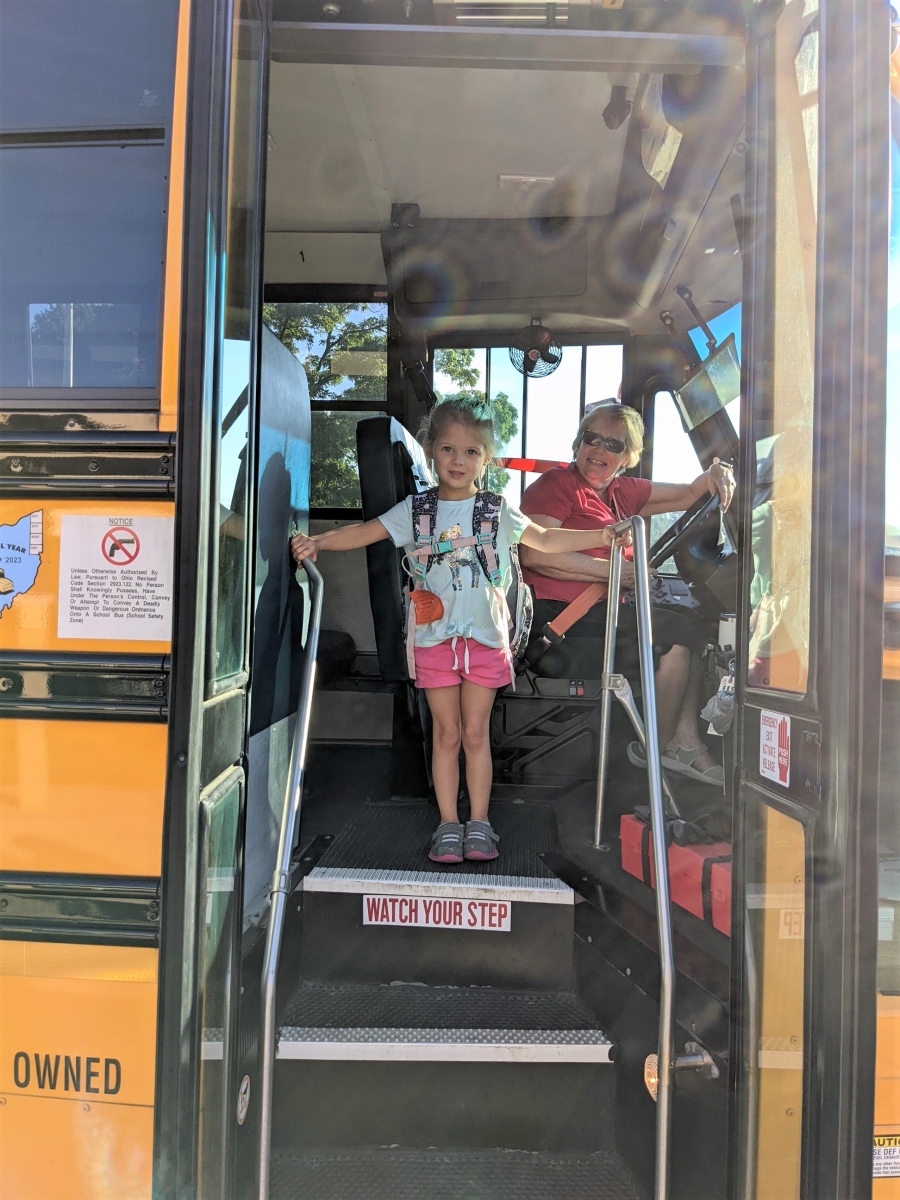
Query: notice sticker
[
  {"x": 886, "y": 1156},
  {"x": 438, "y": 912},
  {"x": 775, "y": 747},
  {"x": 115, "y": 578}
]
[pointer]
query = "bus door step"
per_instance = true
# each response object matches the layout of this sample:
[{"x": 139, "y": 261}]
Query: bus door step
[
  {"x": 374, "y": 909},
  {"x": 440, "y": 1175},
  {"x": 369, "y": 1064}
]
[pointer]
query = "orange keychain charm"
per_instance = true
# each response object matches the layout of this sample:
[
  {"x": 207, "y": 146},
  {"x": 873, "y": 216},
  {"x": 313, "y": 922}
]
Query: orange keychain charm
[{"x": 427, "y": 605}]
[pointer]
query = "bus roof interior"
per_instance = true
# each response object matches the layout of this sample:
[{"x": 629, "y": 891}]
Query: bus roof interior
[{"x": 537, "y": 193}]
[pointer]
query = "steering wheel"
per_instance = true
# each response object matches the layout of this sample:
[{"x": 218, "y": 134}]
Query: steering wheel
[{"x": 680, "y": 533}]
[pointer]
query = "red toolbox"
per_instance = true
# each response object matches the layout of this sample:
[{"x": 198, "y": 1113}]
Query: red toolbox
[
  {"x": 720, "y": 895},
  {"x": 699, "y": 876}
]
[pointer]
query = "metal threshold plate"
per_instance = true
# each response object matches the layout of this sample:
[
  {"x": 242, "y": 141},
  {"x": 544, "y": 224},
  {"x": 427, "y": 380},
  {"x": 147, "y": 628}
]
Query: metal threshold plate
[
  {"x": 446, "y": 1045},
  {"x": 361, "y": 880}
]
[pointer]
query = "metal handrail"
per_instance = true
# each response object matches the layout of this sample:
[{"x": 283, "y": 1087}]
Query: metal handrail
[
  {"x": 609, "y": 661},
  {"x": 281, "y": 879},
  {"x": 666, "y": 1033},
  {"x": 618, "y": 686}
]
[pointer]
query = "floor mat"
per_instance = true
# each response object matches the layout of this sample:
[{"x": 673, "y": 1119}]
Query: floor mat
[
  {"x": 395, "y": 837},
  {"x": 409, "y": 1006},
  {"x": 433, "y": 1175}
]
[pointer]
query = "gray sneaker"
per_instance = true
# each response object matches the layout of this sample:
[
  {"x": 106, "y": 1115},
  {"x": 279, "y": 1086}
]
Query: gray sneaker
[
  {"x": 481, "y": 841},
  {"x": 447, "y": 843}
]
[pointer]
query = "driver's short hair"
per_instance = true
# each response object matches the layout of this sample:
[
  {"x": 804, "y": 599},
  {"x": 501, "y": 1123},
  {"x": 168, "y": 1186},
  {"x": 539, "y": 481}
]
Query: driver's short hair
[{"x": 628, "y": 418}]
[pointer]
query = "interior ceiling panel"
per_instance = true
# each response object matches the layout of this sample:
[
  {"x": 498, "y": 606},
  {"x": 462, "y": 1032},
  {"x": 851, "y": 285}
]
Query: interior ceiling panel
[{"x": 346, "y": 142}]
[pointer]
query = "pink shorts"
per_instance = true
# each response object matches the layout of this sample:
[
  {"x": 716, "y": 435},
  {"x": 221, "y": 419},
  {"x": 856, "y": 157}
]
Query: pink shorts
[{"x": 446, "y": 665}]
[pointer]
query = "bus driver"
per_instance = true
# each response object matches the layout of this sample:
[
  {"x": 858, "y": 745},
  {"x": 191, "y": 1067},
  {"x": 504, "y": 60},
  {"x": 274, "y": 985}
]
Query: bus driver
[{"x": 591, "y": 493}]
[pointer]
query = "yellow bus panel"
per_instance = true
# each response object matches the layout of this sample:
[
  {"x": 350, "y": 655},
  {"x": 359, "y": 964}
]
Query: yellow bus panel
[
  {"x": 77, "y": 1058},
  {"x": 82, "y": 797},
  {"x": 887, "y": 1089},
  {"x": 42, "y": 598}
]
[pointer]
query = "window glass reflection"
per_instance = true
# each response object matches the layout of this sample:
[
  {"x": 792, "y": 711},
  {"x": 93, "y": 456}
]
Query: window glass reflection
[
  {"x": 343, "y": 348},
  {"x": 86, "y": 96},
  {"x": 81, "y": 278},
  {"x": 782, "y": 513}
]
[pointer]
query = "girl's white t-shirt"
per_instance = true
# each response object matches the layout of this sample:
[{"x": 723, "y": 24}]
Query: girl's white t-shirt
[{"x": 472, "y": 608}]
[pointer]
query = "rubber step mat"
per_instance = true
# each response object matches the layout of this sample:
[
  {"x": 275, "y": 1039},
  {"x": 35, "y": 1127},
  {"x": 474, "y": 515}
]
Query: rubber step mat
[
  {"x": 459, "y": 1175},
  {"x": 411, "y": 1006},
  {"x": 396, "y": 837}
]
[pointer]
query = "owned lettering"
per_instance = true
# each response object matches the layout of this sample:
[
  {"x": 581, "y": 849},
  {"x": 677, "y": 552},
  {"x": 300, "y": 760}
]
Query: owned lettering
[{"x": 68, "y": 1073}]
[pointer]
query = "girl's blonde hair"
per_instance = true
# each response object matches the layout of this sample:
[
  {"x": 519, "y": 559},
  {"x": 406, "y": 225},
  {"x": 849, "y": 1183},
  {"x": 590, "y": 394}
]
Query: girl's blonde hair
[
  {"x": 460, "y": 410},
  {"x": 628, "y": 419}
]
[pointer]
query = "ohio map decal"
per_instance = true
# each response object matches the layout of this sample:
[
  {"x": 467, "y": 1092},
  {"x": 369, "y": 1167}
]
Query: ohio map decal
[{"x": 21, "y": 547}]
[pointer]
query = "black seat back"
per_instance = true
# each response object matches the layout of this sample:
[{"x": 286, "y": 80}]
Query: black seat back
[{"x": 392, "y": 466}]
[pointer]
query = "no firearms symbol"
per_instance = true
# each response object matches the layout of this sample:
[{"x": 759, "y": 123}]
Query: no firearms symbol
[{"x": 120, "y": 546}]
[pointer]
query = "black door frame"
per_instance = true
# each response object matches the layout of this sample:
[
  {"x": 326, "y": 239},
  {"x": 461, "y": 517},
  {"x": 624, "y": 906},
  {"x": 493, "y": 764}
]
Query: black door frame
[{"x": 840, "y": 711}]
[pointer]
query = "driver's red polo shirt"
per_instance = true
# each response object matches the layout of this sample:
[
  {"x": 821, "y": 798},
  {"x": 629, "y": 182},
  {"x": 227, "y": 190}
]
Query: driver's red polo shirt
[{"x": 563, "y": 494}]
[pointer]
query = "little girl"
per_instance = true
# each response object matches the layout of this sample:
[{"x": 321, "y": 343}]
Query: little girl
[{"x": 462, "y": 647}]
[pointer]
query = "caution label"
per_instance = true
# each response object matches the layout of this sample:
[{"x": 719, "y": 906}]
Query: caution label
[
  {"x": 438, "y": 912},
  {"x": 886, "y": 1156},
  {"x": 115, "y": 577}
]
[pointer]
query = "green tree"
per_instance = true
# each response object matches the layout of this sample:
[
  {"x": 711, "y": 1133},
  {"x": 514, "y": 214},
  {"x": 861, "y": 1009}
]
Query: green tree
[{"x": 318, "y": 334}]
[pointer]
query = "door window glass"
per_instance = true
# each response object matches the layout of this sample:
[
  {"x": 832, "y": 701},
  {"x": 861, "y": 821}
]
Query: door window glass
[
  {"x": 236, "y": 375},
  {"x": 343, "y": 348},
  {"x": 782, "y": 509},
  {"x": 85, "y": 108},
  {"x": 334, "y": 475}
]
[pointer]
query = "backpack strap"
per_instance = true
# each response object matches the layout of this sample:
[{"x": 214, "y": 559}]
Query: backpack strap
[
  {"x": 424, "y": 515},
  {"x": 485, "y": 526}
]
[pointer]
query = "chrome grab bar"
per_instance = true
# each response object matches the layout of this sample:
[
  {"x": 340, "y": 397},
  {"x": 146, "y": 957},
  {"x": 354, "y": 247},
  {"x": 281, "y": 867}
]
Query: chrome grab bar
[
  {"x": 618, "y": 686},
  {"x": 648, "y": 736},
  {"x": 281, "y": 878},
  {"x": 666, "y": 1034}
]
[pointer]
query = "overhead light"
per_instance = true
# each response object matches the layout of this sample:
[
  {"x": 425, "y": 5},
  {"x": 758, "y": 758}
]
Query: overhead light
[
  {"x": 525, "y": 181},
  {"x": 710, "y": 250}
]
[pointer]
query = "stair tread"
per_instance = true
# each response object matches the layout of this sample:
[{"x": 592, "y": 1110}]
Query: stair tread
[
  {"x": 345, "y": 1006},
  {"x": 395, "y": 837},
  {"x": 394, "y": 1174}
]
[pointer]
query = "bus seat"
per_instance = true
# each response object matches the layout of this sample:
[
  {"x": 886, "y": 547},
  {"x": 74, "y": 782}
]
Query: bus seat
[{"x": 392, "y": 465}]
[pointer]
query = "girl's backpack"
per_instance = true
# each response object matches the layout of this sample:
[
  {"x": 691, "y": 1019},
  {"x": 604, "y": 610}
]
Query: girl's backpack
[{"x": 485, "y": 524}]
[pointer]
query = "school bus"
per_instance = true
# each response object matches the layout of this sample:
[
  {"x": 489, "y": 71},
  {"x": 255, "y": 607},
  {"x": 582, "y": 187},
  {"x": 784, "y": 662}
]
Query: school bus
[{"x": 244, "y": 247}]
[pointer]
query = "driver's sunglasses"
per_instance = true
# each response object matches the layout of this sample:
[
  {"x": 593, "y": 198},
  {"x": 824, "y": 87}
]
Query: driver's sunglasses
[{"x": 613, "y": 445}]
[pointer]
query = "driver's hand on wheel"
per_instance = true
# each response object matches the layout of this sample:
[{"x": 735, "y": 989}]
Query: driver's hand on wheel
[{"x": 720, "y": 478}]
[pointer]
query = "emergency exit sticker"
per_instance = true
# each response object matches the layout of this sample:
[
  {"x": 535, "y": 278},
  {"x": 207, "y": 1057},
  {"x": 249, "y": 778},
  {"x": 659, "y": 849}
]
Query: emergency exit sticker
[
  {"x": 886, "y": 1156},
  {"x": 438, "y": 912},
  {"x": 775, "y": 747},
  {"x": 115, "y": 577}
]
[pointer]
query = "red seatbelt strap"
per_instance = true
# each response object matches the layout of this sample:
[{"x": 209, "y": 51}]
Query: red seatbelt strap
[
  {"x": 535, "y": 465},
  {"x": 592, "y": 594}
]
